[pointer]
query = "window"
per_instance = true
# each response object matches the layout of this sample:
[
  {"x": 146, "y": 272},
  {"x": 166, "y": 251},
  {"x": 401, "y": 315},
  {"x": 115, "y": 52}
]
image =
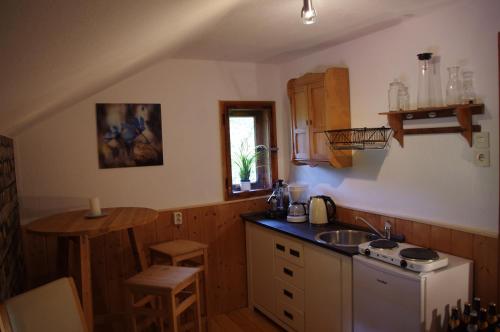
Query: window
[{"x": 249, "y": 159}]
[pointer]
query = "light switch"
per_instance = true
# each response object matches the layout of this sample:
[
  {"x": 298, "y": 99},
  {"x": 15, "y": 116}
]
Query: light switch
[
  {"x": 482, "y": 158},
  {"x": 481, "y": 140}
]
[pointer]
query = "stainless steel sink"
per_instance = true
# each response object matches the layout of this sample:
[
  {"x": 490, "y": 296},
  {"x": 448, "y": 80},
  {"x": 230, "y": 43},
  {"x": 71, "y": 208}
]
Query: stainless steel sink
[{"x": 344, "y": 237}]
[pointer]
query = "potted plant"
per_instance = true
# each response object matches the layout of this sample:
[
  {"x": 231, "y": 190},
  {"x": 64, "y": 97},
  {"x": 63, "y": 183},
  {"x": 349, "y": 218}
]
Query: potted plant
[{"x": 245, "y": 161}]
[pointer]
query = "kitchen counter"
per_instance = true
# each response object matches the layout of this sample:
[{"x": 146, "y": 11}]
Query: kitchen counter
[{"x": 302, "y": 231}]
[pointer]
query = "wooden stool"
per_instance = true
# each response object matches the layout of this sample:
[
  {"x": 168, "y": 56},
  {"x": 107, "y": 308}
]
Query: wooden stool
[
  {"x": 177, "y": 286},
  {"x": 184, "y": 253}
]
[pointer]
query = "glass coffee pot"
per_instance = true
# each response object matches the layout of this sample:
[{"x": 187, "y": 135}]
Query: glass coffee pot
[{"x": 429, "y": 86}]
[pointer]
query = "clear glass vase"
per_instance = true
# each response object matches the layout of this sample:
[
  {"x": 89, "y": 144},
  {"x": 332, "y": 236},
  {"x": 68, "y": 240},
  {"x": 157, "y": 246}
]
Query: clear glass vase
[{"x": 453, "y": 87}]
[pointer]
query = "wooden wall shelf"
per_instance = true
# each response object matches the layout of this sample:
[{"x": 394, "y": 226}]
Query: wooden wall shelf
[{"x": 463, "y": 113}]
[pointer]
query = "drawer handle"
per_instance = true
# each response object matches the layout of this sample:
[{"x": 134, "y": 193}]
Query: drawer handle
[
  {"x": 288, "y": 272},
  {"x": 280, "y": 247},
  {"x": 288, "y": 315},
  {"x": 382, "y": 281},
  {"x": 294, "y": 253},
  {"x": 288, "y": 293}
]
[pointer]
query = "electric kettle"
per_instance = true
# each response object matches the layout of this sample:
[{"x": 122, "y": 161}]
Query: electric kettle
[{"x": 322, "y": 210}]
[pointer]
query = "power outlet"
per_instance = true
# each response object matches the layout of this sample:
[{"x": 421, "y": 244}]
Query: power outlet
[
  {"x": 481, "y": 140},
  {"x": 482, "y": 158},
  {"x": 177, "y": 218}
]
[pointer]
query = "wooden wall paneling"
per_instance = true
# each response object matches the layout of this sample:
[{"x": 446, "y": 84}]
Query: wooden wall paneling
[
  {"x": 231, "y": 258},
  {"x": 114, "y": 275},
  {"x": 51, "y": 247},
  {"x": 421, "y": 234},
  {"x": 440, "y": 239},
  {"x": 98, "y": 258},
  {"x": 35, "y": 255},
  {"x": 486, "y": 269},
  {"x": 462, "y": 244},
  {"x": 164, "y": 229},
  {"x": 404, "y": 227}
]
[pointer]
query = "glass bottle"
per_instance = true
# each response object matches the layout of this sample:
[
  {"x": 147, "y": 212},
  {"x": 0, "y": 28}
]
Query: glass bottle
[
  {"x": 394, "y": 88},
  {"x": 404, "y": 98},
  {"x": 437, "y": 95},
  {"x": 476, "y": 305},
  {"x": 472, "y": 326},
  {"x": 492, "y": 314},
  {"x": 424, "y": 92},
  {"x": 483, "y": 322},
  {"x": 466, "y": 316},
  {"x": 453, "y": 87},
  {"x": 454, "y": 321},
  {"x": 468, "y": 94}
]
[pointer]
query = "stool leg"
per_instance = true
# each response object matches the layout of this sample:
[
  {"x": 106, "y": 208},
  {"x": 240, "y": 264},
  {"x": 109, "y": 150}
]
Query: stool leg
[
  {"x": 131, "y": 301},
  {"x": 205, "y": 280},
  {"x": 197, "y": 310},
  {"x": 174, "y": 325},
  {"x": 159, "y": 306}
]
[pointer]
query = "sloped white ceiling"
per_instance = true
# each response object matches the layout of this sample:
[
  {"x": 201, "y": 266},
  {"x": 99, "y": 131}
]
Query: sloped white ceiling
[{"x": 56, "y": 52}]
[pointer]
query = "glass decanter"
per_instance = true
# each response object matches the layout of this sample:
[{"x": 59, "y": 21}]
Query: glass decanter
[
  {"x": 468, "y": 94},
  {"x": 453, "y": 87}
]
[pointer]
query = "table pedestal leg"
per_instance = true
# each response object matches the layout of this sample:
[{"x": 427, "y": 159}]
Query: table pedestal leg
[
  {"x": 62, "y": 257},
  {"x": 86, "y": 278},
  {"x": 137, "y": 250}
]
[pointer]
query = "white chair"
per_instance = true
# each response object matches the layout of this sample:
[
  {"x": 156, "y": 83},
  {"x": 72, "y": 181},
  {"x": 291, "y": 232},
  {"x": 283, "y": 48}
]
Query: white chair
[{"x": 49, "y": 308}]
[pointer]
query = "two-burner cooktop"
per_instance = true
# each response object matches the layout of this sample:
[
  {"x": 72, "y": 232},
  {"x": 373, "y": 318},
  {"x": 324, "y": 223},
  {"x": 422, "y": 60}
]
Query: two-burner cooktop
[{"x": 404, "y": 255}]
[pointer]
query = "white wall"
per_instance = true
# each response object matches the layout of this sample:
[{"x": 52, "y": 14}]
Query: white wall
[
  {"x": 433, "y": 177},
  {"x": 57, "y": 162}
]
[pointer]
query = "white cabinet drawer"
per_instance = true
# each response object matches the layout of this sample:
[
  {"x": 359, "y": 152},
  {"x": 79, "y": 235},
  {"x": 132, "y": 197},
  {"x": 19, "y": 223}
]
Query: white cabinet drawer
[
  {"x": 289, "y": 294},
  {"x": 290, "y": 316},
  {"x": 290, "y": 250},
  {"x": 289, "y": 272}
]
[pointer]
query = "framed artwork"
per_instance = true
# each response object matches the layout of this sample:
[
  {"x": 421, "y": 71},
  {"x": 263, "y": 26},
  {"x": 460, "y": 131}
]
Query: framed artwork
[{"x": 129, "y": 135}]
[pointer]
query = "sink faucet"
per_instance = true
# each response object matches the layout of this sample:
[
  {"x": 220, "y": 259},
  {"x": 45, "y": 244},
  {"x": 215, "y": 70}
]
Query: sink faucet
[{"x": 387, "y": 228}]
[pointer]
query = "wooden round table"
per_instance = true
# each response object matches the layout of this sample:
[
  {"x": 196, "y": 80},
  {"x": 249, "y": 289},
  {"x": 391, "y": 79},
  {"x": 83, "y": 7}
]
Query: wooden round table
[{"x": 74, "y": 225}]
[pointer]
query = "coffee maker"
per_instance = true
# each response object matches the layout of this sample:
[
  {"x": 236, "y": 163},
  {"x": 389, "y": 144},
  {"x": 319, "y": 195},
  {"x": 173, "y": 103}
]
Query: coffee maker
[
  {"x": 277, "y": 200},
  {"x": 297, "y": 210}
]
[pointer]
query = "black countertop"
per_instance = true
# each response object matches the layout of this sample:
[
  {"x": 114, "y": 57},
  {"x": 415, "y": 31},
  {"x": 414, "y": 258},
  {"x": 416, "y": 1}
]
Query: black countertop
[{"x": 302, "y": 231}]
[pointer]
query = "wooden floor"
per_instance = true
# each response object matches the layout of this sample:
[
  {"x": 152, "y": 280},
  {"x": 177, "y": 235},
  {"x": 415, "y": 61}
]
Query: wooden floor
[{"x": 242, "y": 320}]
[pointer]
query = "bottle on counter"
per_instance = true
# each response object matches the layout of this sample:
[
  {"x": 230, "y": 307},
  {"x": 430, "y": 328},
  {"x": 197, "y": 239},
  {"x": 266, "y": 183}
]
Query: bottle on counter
[
  {"x": 472, "y": 326},
  {"x": 476, "y": 305},
  {"x": 483, "y": 320},
  {"x": 492, "y": 315},
  {"x": 454, "y": 321},
  {"x": 465, "y": 317}
]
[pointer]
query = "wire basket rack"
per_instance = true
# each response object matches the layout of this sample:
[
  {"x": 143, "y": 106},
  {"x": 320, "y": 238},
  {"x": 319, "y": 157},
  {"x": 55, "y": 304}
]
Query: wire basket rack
[{"x": 358, "y": 138}]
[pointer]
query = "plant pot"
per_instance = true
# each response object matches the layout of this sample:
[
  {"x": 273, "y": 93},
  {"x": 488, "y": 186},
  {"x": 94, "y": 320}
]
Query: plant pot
[{"x": 245, "y": 185}]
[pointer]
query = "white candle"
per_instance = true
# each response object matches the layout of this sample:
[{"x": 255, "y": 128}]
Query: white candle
[{"x": 95, "y": 206}]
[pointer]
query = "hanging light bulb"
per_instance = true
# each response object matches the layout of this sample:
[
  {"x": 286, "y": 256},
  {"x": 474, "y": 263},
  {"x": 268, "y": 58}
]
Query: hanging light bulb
[{"x": 308, "y": 13}]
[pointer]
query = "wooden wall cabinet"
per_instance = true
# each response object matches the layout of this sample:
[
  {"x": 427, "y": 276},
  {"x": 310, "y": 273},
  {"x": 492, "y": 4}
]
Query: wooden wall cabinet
[
  {"x": 300, "y": 286},
  {"x": 319, "y": 102}
]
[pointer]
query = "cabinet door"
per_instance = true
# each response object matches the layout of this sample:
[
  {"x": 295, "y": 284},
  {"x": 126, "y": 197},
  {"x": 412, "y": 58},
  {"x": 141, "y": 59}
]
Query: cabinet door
[
  {"x": 260, "y": 260},
  {"x": 328, "y": 299},
  {"x": 300, "y": 120},
  {"x": 317, "y": 122}
]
